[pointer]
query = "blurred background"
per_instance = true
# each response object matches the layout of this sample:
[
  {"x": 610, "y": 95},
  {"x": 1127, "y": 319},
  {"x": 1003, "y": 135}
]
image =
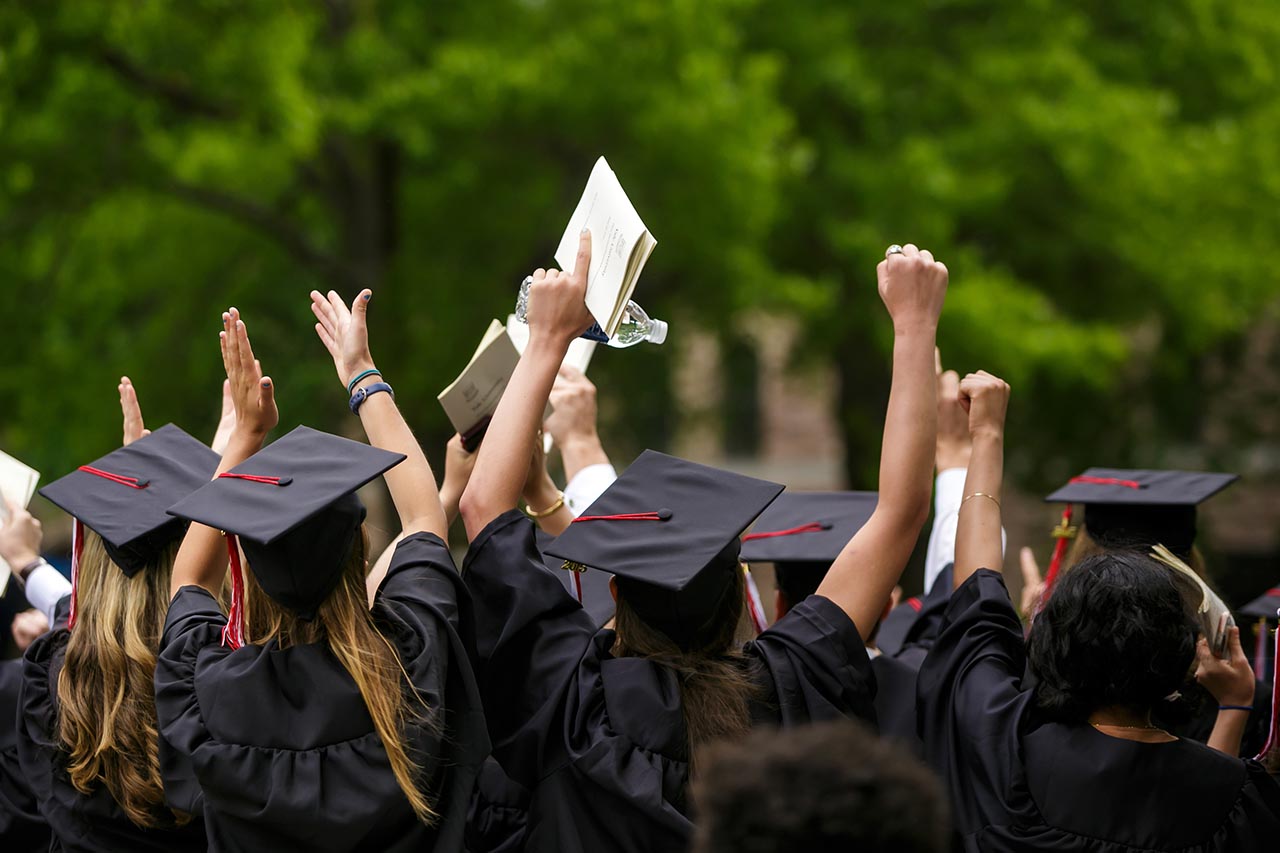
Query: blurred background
[{"x": 1101, "y": 178}]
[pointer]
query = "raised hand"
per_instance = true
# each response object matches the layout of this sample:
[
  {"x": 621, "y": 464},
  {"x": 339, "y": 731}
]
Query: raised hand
[
  {"x": 133, "y": 428},
  {"x": 227, "y": 421},
  {"x": 986, "y": 399},
  {"x": 458, "y": 464},
  {"x": 1229, "y": 679},
  {"x": 557, "y": 300},
  {"x": 912, "y": 285},
  {"x": 252, "y": 394},
  {"x": 1032, "y": 583},
  {"x": 953, "y": 445},
  {"x": 27, "y": 627},
  {"x": 20, "y": 537},
  {"x": 344, "y": 332}
]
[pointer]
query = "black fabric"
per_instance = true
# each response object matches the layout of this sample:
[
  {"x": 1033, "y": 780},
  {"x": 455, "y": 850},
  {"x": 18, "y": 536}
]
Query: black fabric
[
  {"x": 599, "y": 741},
  {"x": 597, "y": 599},
  {"x": 21, "y": 826},
  {"x": 896, "y": 701},
  {"x": 499, "y": 813},
  {"x": 296, "y": 532},
  {"x": 674, "y": 569},
  {"x": 1020, "y": 783},
  {"x": 1265, "y": 606},
  {"x": 281, "y": 741},
  {"x": 912, "y": 627},
  {"x": 79, "y": 822},
  {"x": 837, "y": 516},
  {"x": 134, "y": 523}
]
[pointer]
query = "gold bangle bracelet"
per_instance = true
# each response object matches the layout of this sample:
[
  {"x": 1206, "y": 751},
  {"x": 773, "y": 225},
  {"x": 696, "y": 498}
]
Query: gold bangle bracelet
[
  {"x": 533, "y": 513},
  {"x": 991, "y": 498}
]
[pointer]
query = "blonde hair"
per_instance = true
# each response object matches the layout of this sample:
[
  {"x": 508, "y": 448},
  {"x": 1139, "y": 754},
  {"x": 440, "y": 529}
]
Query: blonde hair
[
  {"x": 345, "y": 624},
  {"x": 712, "y": 673},
  {"x": 106, "y": 688}
]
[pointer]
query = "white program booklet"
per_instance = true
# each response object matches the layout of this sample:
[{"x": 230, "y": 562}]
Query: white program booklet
[
  {"x": 17, "y": 483},
  {"x": 620, "y": 245},
  {"x": 472, "y": 398}
]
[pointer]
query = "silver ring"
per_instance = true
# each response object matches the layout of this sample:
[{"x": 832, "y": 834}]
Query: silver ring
[{"x": 895, "y": 249}]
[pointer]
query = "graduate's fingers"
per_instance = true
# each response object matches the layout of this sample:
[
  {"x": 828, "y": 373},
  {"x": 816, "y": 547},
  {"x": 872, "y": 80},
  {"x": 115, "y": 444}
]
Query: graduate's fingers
[
  {"x": 582, "y": 263},
  {"x": 327, "y": 339},
  {"x": 1030, "y": 568},
  {"x": 937, "y": 361},
  {"x": 340, "y": 313},
  {"x": 267, "y": 397},
  {"x": 1235, "y": 651},
  {"x": 228, "y": 404},
  {"x": 248, "y": 363},
  {"x": 359, "y": 313},
  {"x": 323, "y": 311},
  {"x": 234, "y": 365}
]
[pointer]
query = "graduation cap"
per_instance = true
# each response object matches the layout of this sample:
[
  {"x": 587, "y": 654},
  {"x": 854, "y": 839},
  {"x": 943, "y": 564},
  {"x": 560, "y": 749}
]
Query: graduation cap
[
  {"x": 590, "y": 588},
  {"x": 294, "y": 508},
  {"x": 123, "y": 497},
  {"x": 668, "y": 530},
  {"x": 802, "y": 533},
  {"x": 1134, "y": 508},
  {"x": 1265, "y": 606}
]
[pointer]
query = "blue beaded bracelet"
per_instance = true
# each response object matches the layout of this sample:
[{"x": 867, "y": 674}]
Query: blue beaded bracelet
[
  {"x": 1248, "y": 708},
  {"x": 358, "y": 398},
  {"x": 373, "y": 371}
]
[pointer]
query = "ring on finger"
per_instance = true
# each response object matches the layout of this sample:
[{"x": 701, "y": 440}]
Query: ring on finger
[{"x": 895, "y": 249}]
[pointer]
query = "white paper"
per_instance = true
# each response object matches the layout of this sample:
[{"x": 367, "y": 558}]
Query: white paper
[
  {"x": 17, "y": 483},
  {"x": 620, "y": 245},
  {"x": 475, "y": 394},
  {"x": 579, "y": 354}
]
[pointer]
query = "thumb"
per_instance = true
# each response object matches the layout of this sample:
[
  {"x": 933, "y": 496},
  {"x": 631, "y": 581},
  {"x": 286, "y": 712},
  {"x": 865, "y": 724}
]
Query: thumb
[
  {"x": 267, "y": 393},
  {"x": 582, "y": 264},
  {"x": 360, "y": 309},
  {"x": 949, "y": 385}
]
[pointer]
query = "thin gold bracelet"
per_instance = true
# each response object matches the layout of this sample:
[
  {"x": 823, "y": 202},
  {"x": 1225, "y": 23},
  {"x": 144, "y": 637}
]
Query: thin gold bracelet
[
  {"x": 533, "y": 513},
  {"x": 991, "y": 498}
]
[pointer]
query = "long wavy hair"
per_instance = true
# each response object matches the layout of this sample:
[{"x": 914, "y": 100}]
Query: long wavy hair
[
  {"x": 106, "y": 689},
  {"x": 714, "y": 676},
  {"x": 344, "y": 623}
]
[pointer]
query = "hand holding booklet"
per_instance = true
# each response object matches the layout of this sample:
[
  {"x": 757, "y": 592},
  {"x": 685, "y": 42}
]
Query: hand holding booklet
[
  {"x": 620, "y": 246},
  {"x": 17, "y": 483}
]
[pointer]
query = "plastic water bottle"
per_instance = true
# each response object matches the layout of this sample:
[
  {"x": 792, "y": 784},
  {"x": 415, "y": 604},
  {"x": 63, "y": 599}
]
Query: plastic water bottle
[{"x": 636, "y": 326}]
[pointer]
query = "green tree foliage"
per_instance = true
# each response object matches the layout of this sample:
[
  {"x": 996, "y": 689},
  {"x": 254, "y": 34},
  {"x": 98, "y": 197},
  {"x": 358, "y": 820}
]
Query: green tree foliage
[{"x": 1101, "y": 179}]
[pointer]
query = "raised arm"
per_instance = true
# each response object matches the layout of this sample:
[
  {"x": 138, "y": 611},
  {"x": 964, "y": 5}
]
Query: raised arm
[
  {"x": 913, "y": 286},
  {"x": 345, "y": 334},
  {"x": 557, "y": 314},
  {"x": 978, "y": 543},
  {"x": 202, "y": 558},
  {"x": 573, "y": 422}
]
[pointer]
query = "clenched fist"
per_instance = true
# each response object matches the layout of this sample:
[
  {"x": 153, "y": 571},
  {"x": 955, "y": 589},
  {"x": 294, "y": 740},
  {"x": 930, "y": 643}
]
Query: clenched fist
[
  {"x": 985, "y": 398},
  {"x": 912, "y": 285}
]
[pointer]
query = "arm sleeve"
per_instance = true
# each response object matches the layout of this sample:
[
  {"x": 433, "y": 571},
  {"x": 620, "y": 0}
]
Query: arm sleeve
[
  {"x": 530, "y": 636},
  {"x": 818, "y": 663},
  {"x": 970, "y": 702},
  {"x": 45, "y": 586},
  {"x": 587, "y": 485},
  {"x": 948, "y": 493}
]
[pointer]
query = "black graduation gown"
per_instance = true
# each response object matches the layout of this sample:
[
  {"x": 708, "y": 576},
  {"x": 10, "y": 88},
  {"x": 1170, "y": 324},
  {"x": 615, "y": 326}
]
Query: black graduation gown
[
  {"x": 80, "y": 822},
  {"x": 498, "y": 814},
  {"x": 599, "y": 741},
  {"x": 1194, "y": 715},
  {"x": 281, "y": 742},
  {"x": 21, "y": 826},
  {"x": 896, "y": 701},
  {"x": 1019, "y": 782}
]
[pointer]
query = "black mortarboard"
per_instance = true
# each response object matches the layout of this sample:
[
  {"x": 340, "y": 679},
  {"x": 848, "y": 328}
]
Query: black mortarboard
[
  {"x": 802, "y": 533},
  {"x": 294, "y": 507},
  {"x": 668, "y": 531},
  {"x": 590, "y": 588},
  {"x": 1265, "y": 606},
  {"x": 1128, "y": 508},
  {"x": 123, "y": 496}
]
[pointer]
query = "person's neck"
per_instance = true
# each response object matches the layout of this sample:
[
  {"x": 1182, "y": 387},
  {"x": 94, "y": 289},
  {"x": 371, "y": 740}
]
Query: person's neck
[{"x": 1129, "y": 724}]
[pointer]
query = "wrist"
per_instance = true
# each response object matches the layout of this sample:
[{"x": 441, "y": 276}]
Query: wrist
[
  {"x": 22, "y": 562},
  {"x": 542, "y": 494},
  {"x": 953, "y": 455},
  {"x": 547, "y": 343},
  {"x": 988, "y": 435},
  {"x": 914, "y": 327},
  {"x": 355, "y": 368}
]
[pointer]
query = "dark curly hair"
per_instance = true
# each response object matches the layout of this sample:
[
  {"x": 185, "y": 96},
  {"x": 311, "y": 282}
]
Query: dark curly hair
[
  {"x": 821, "y": 788},
  {"x": 1117, "y": 631}
]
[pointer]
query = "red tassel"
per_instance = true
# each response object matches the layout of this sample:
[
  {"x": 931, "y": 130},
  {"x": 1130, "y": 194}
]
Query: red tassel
[
  {"x": 658, "y": 515},
  {"x": 1064, "y": 533},
  {"x": 233, "y": 631},
  {"x": 1107, "y": 481},
  {"x": 254, "y": 478},
  {"x": 1260, "y": 651},
  {"x": 577, "y": 585},
  {"x": 811, "y": 527},
  {"x": 754, "y": 605},
  {"x": 77, "y": 548},
  {"x": 131, "y": 482}
]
